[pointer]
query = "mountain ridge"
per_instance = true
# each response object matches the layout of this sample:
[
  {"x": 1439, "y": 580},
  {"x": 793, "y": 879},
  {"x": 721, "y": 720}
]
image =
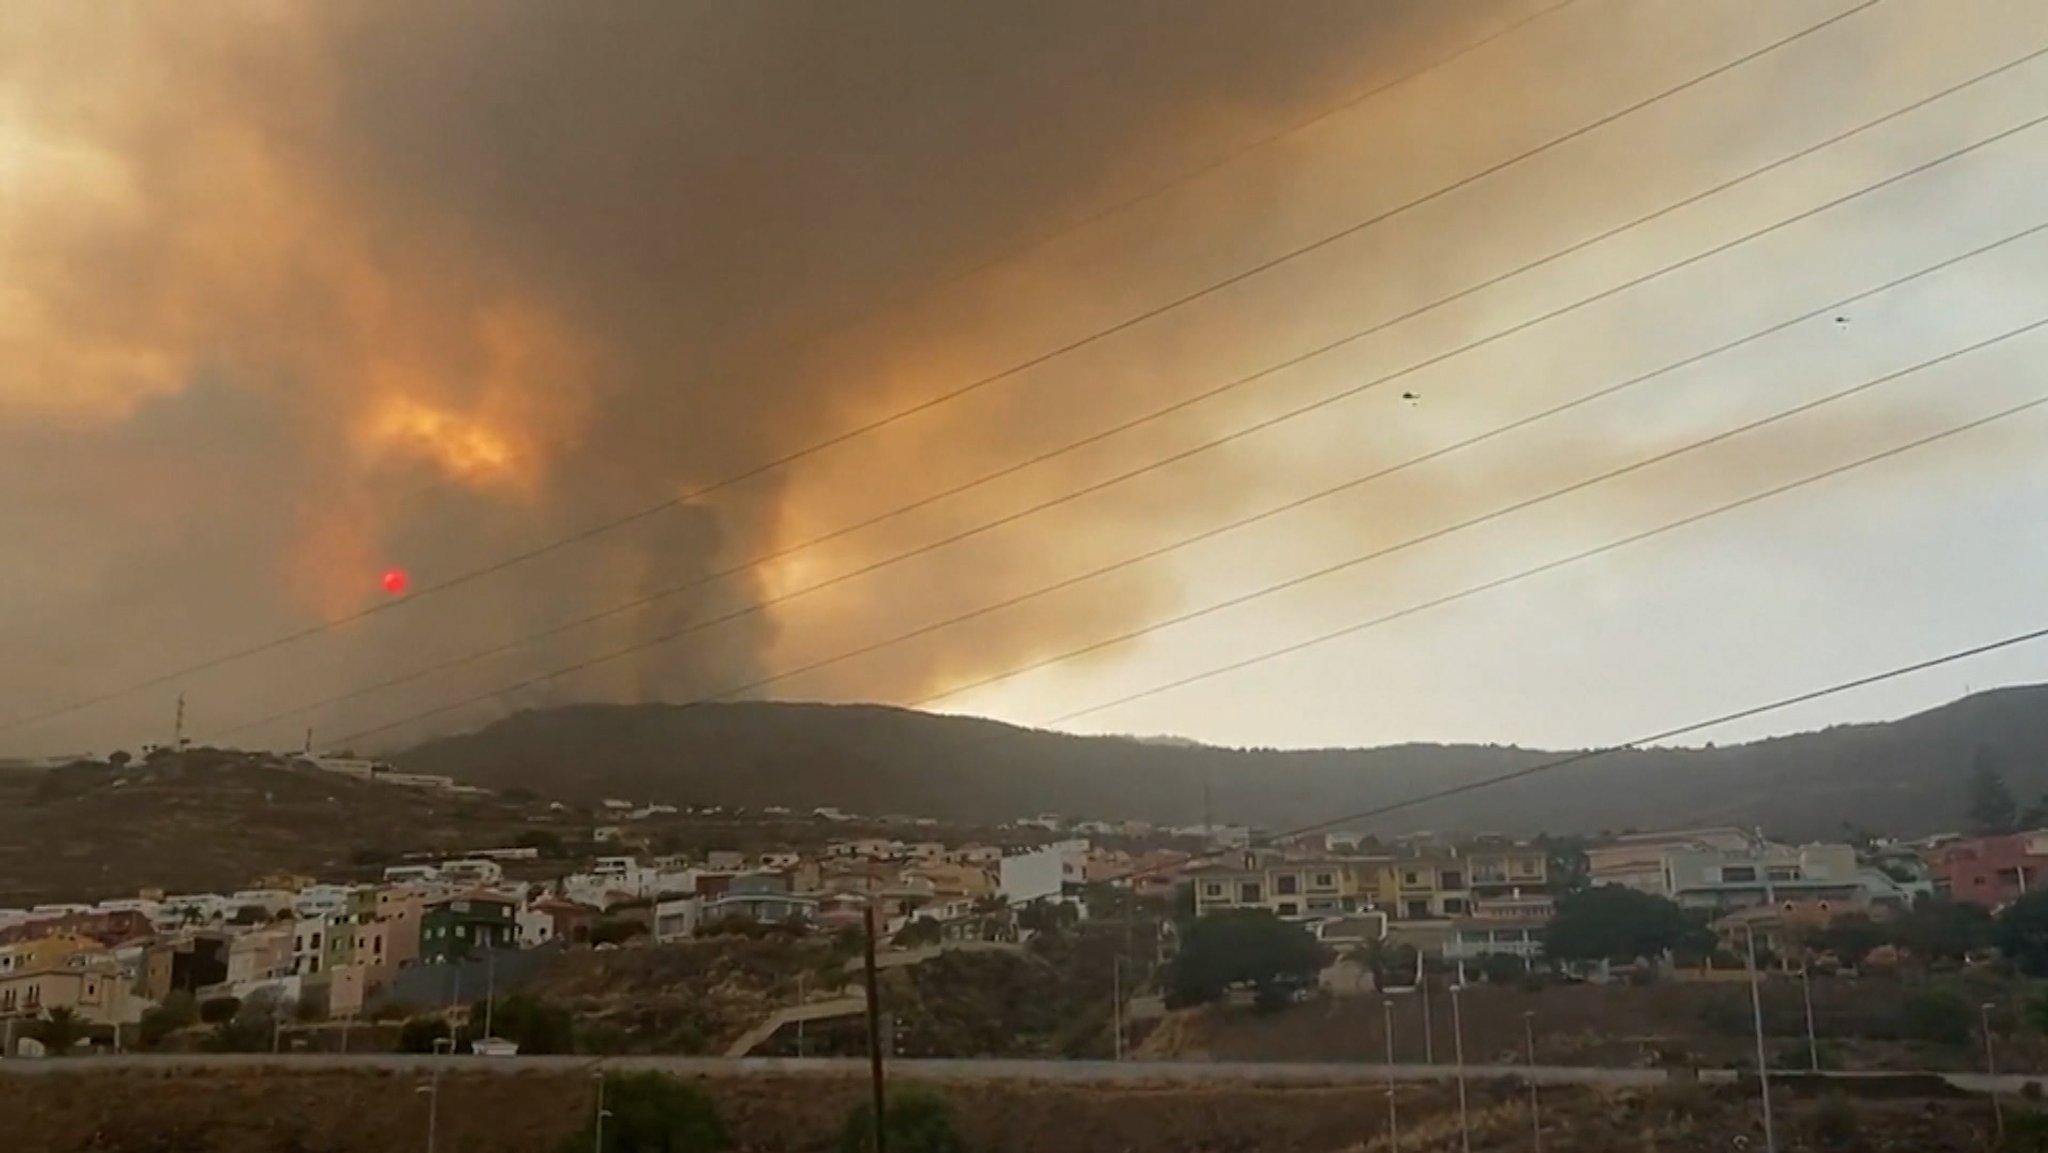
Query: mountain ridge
[{"x": 1905, "y": 776}]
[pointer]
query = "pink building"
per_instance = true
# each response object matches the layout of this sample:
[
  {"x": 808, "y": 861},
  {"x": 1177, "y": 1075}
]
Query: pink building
[{"x": 1991, "y": 871}]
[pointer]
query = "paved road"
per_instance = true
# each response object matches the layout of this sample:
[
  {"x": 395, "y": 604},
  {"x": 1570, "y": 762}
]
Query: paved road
[{"x": 1071, "y": 1072}]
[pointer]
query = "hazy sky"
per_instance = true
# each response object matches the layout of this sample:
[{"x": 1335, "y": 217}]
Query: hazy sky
[{"x": 292, "y": 294}]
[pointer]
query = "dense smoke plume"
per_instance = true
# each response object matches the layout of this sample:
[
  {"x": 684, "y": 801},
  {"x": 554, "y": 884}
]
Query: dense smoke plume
[{"x": 292, "y": 293}]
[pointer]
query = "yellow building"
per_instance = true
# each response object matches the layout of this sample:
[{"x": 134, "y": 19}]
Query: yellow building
[
  {"x": 43, "y": 953},
  {"x": 97, "y": 995}
]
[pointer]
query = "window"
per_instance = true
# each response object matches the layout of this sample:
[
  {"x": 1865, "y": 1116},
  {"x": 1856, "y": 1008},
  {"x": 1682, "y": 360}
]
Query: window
[
  {"x": 1326, "y": 880},
  {"x": 1288, "y": 909},
  {"x": 1454, "y": 906},
  {"x": 1784, "y": 873},
  {"x": 1738, "y": 874},
  {"x": 1249, "y": 893},
  {"x": 1418, "y": 909},
  {"x": 1286, "y": 884},
  {"x": 1451, "y": 879},
  {"x": 1213, "y": 889},
  {"x": 1411, "y": 878}
]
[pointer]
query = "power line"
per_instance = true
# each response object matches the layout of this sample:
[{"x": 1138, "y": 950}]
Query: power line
[
  {"x": 1568, "y": 760},
  {"x": 1549, "y": 566},
  {"x": 1178, "y": 406},
  {"x": 1490, "y": 516},
  {"x": 1293, "y": 582},
  {"x": 1057, "y": 232},
  {"x": 1780, "y": 704},
  {"x": 604, "y": 527},
  {"x": 699, "y": 626}
]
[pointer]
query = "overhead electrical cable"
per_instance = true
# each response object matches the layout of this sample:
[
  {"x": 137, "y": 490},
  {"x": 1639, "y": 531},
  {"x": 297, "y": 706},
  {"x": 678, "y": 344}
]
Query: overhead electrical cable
[
  {"x": 1266, "y": 423},
  {"x": 1300, "y": 580},
  {"x": 853, "y": 433},
  {"x": 1352, "y": 484}
]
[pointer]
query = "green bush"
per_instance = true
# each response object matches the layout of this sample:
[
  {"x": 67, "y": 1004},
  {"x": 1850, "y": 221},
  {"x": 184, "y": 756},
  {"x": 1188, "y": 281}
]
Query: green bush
[
  {"x": 656, "y": 1113},
  {"x": 219, "y": 1009},
  {"x": 177, "y": 1012},
  {"x": 419, "y": 1034},
  {"x": 1937, "y": 1015},
  {"x": 920, "y": 1120}
]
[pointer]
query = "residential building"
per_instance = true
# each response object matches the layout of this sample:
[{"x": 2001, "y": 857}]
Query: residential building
[
  {"x": 1636, "y": 860},
  {"x": 571, "y": 921},
  {"x": 259, "y": 955},
  {"x": 185, "y": 964},
  {"x": 1284, "y": 886},
  {"x": 677, "y": 918},
  {"x": 44, "y": 952},
  {"x": 96, "y": 995},
  {"x": 1474, "y": 938},
  {"x": 1991, "y": 872},
  {"x": 108, "y": 928},
  {"x": 309, "y": 945},
  {"x": 1762, "y": 873},
  {"x": 460, "y": 927}
]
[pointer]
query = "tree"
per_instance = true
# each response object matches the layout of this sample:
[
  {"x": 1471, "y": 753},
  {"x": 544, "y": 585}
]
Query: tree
[
  {"x": 1611, "y": 923},
  {"x": 656, "y": 1113},
  {"x": 214, "y": 1010},
  {"x": 177, "y": 1012},
  {"x": 1992, "y": 809},
  {"x": 538, "y": 1027},
  {"x": 119, "y": 758},
  {"x": 1502, "y": 968},
  {"x": 250, "y": 915},
  {"x": 59, "y": 1030},
  {"x": 1937, "y": 929},
  {"x": 2022, "y": 934},
  {"x": 1850, "y": 937},
  {"x": 1242, "y": 947},
  {"x": 546, "y": 842},
  {"x": 616, "y": 931},
  {"x": 919, "y": 933},
  {"x": 918, "y": 1120},
  {"x": 419, "y": 1034},
  {"x": 1569, "y": 867}
]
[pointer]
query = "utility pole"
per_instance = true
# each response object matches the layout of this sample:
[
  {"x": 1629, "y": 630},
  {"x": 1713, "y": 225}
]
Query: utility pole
[
  {"x": 1763, "y": 1068},
  {"x": 1458, "y": 1053},
  {"x": 1393, "y": 1118},
  {"x": 875, "y": 1072},
  {"x": 490, "y": 991},
  {"x": 1116, "y": 1006},
  {"x": 1535, "y": 1106},
  {"x": 1428, "y": 1025},
  {"x": 597, "y": 1126},
  {"x": 178, "y": 725},
  {"x": 800, "y": 1003},
  {"x": 1806, "y": 993},
  {"x": 1991, "y": 1070}
]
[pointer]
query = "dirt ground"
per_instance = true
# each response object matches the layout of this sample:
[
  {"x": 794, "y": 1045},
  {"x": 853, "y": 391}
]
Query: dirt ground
[
  {"x": 336, "y": 1112},
  {"x": 1856, "y": 1019}
]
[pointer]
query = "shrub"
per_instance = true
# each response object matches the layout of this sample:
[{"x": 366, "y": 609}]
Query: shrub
[
  {"x": 419, "y": 1034},
  {"x": 1834, "y": 1125},
  {"x": 1939, "y": 1016},
  {"x": 177, "y": 1012},
  {"x": 920, "y": 1120},
  {"x": 654, "y": 1111},
  {"x": 219, "y": 1009}
]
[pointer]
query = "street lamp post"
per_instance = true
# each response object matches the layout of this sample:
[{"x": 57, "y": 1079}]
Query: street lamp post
[
  {"x": 597, "y": 1125},
  {"x": 1763, "y": 1069},
  {"x": 1458, "y": 1054},
  {"x": 1393, "y": 1118},
  {"x": 433, "y": 1092},
  {"x": 1991, "y": 1070},
  {"x": 1535, "y": 1105}
]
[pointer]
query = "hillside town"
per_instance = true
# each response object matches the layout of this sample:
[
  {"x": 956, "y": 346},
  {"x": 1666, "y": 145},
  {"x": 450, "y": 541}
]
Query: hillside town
[{"x": 429, "y": 934}]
